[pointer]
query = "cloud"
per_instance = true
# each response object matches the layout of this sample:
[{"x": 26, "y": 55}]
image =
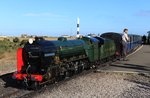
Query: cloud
[
  {"x": 143, "y": 13},
  {"x": 42, "y": 15}
]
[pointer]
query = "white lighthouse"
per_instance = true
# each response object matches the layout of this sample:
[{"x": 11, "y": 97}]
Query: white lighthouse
[{"x": 78, "y": 27}]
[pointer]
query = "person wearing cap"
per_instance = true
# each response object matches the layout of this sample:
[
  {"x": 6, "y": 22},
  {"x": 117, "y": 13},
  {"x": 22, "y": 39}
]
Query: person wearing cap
[{"x": 125, "y": 40}]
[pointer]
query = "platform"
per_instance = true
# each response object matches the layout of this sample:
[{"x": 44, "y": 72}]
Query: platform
[{"x": 138, "y": 62}]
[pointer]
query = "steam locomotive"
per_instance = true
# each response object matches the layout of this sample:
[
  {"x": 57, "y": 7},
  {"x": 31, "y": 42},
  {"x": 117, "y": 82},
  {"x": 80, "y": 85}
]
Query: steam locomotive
[{"x": 41, "y": 61}]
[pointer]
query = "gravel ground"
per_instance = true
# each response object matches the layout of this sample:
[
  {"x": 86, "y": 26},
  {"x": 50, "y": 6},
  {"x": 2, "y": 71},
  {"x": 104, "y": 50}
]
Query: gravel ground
[
  {"x": 8, "y": 68},
  {"x": 8, "y": 63},
  {"x": 100, "y": 85}
]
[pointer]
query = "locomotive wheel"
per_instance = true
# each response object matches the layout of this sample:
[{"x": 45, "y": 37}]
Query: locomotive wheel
[
  {"x": 80, "y": 69},
  {"x": 62, "y": 77},
  {"x": 30, "y": 85},
  {"x": 24, "y": 85},
  {"x": 70, "y": 73},
  {"x": 34, "y": 86}
]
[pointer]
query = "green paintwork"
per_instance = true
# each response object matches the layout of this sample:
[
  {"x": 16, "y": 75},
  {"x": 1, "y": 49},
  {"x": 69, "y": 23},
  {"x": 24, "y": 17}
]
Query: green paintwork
[
  {"x": 107, "y": 49},
  {"x": 91, "y": 49},
  {"x": 96, "y": 51},
  {"x": 69, "y": 48},
  {"x": 85, "y": 46}
]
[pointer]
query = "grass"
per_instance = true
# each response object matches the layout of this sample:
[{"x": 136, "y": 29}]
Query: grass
[
  {"x": 7, "y": 46},
  {"x": 8, "y": 56}
]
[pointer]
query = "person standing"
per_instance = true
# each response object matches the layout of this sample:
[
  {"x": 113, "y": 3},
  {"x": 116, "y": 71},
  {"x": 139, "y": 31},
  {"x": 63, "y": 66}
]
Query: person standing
[{"x": 125, "y": 40}]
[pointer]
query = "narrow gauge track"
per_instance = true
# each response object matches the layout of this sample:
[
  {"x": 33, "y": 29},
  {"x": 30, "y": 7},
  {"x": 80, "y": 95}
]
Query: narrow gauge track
[
  {"x": 85, "y": 72},
  {"x": 10, "y": 89}
]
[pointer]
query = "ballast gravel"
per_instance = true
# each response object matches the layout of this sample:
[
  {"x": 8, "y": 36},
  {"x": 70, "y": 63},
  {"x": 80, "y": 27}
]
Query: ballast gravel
[{"x": 100, "y": 85}]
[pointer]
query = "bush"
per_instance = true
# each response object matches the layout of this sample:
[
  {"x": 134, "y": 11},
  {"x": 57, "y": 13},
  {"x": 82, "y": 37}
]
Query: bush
[
  {"x": 6, "y": 39},
  {"x": 6, "y": 46},
  {"x": 16, "y": 40},
  {"x": 23, "y": 42}
]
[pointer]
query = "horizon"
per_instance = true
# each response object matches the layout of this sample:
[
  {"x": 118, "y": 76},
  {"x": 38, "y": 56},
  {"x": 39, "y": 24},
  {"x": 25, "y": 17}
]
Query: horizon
[
  {"x": 3, "y": 36},
  {"x": 56, "y": 18}
]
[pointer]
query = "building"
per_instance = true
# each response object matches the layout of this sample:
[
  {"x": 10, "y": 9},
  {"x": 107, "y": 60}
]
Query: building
[{"x": 65, "y": 36}]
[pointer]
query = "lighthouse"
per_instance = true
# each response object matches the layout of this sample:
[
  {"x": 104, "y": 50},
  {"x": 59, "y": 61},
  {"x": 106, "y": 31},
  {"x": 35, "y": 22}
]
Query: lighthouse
[{"x": 78, "y": 27}]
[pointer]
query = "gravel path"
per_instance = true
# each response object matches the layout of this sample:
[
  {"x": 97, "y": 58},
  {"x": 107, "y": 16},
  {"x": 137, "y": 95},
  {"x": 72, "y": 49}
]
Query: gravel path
[{"x": 100, "y": 85}]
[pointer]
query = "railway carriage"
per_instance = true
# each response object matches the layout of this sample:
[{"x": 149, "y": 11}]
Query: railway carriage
[{"x": 135, "y": 41}]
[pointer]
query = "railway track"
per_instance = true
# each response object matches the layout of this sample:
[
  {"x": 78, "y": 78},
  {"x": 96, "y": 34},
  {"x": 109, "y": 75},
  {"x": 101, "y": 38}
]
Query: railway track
[
  {"x": 51, "y": 86},
  {"x": 10, "y": 89}
]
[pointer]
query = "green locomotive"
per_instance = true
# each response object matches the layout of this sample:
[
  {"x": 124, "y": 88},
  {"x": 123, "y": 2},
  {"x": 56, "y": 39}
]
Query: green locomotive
[{"x": 41, "y": 60}]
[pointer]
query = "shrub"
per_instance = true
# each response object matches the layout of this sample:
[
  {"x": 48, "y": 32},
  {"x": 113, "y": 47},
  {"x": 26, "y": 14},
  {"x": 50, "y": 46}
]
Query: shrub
[
  {"x": 5, "y": 46},
  {"x": 6, "y": 39},
  {"x": 16, "y": 40},
  {"x": 23, "y": 42}
]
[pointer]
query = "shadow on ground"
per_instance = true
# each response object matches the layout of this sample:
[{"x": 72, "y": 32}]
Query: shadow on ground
[
  {"x": 141, "y": 84},
  {"x": 133, "y": 66},
  {"x": 9, "y": 82}
]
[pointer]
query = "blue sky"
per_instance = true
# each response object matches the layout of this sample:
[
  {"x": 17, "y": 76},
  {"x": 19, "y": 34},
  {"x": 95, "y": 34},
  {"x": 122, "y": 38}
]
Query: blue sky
[{"x": 58, "y": 17}]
